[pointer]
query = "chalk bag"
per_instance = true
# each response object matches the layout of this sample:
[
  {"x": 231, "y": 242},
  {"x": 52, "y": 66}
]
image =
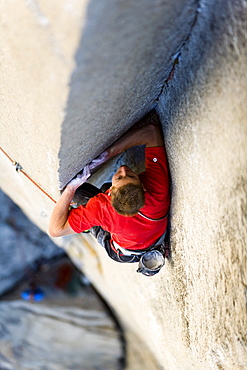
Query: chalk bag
[{"x": 150, "y": 263}]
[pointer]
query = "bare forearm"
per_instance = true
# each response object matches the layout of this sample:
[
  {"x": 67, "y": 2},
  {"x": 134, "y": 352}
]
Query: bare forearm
[
  {"x": 149, "y": 135},
  {"x": 128, "y": 140},
  {"x": 59, "y": 225},
  {"x": 60, "y": 213}
]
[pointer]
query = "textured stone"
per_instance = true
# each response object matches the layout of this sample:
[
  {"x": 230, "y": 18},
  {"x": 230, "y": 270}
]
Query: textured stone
[
  {"x": 22, "y": 246},
  {"x": 123, "y": 56},
  {"x": 192, "y": 315},
  {"x": 36, "y": 336},
  {"x": 70, "y": 327}
]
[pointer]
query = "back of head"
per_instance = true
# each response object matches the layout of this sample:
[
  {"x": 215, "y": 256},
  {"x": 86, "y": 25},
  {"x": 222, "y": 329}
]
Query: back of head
[{"x": 128, "y": 199}]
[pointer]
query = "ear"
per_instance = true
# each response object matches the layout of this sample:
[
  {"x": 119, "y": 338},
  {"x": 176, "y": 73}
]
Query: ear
[
  {"x": 112, "y": 190},
  {"x": 143, "y": 187}
]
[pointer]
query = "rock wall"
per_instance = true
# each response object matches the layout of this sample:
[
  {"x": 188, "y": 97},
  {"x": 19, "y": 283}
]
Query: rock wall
[
  {"x": 37, "y": 336},
  {"x": 75, "y": 76},
  {"x": 204, "y": 113},
  {"x": 23, "y": 246},
  {"x": 66, "y": 325}
]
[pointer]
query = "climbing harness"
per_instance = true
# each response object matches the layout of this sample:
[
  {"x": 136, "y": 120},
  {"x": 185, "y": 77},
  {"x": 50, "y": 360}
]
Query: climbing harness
[{"x": 19, "y": 169}]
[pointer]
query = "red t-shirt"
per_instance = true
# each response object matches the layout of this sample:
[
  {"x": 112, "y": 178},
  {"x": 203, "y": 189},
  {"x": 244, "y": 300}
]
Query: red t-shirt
[{"x": 134, "y": 232}]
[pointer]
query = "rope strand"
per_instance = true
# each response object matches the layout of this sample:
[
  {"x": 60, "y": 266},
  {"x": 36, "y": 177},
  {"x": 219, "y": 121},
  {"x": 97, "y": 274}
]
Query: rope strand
[{"x": 19, "y": 169}]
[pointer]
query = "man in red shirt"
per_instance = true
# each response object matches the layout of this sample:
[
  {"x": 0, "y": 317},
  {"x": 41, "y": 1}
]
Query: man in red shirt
[{"x": 133, "y": 212}]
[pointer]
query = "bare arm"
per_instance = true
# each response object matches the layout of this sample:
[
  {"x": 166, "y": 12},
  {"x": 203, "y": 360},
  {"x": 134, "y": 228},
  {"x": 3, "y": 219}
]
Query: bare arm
[
  {"x": 149, "y": 135},
  {"x": 59, "y": 225}
]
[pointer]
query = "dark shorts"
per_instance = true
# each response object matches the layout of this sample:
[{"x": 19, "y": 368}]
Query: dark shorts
[{"x": 104, "y": 238}]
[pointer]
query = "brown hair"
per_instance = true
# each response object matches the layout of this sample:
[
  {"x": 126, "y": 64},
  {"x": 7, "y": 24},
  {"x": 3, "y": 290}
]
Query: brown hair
[{"x": 128, "y": 199}]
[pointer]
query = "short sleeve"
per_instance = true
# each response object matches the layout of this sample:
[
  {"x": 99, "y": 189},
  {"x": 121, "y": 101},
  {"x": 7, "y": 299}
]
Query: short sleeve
[
  {"x": 156, "y": 181},
  {"x": 85, "y": 216},
  {"x": 156, "y": 175}
]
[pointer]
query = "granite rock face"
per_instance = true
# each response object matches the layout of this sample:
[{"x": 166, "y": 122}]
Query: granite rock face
[
  {"x": 23, "y": 245},
  {"x": 67, "y": 326},
  {"x": 36, "y": 336},
  {"x": 77, "y": 89},
  {"x": 124, "y": 54}
]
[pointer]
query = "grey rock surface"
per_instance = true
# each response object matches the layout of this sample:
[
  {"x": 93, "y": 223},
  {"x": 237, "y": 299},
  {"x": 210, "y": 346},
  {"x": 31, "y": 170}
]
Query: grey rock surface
[
  {"x": 22, "y": 245},
  {"x": 36, "y": 336},
  {"x": 124, "y": 55},
  {"x": 70, "y": 328},
  {"x": 62, "y": 112}
]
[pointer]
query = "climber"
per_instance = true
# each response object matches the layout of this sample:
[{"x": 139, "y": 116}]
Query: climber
[{"x": 130, "y": 219}]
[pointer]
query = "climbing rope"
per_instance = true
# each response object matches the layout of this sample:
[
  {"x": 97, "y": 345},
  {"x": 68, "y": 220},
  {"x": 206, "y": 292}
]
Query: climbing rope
[{"x": 19, "y": 169}]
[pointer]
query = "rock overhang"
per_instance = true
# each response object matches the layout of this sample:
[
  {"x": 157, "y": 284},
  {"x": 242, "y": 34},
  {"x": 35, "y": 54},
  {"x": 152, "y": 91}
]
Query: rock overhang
[{"x": 124, "y": 55}]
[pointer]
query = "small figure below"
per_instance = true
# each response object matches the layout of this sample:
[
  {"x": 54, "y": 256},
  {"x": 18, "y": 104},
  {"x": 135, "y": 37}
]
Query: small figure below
[{"x": 33, "y": 294}]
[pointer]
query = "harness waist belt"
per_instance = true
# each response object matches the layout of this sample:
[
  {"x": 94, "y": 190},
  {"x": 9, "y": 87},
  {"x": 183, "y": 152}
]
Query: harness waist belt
[{"x": 128, "y": 252}]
